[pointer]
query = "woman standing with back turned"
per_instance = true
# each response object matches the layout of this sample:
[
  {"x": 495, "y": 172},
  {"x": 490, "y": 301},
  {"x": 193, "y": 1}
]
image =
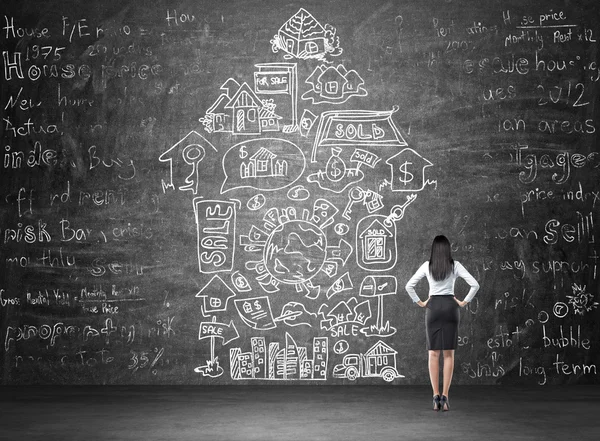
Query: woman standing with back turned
[{"x": 442, "y": 315}]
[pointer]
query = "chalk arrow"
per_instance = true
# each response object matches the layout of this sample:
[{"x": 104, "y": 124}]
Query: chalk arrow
[
  {"x": 227, "y": 332},
  {"x": 340, "y": 252}
]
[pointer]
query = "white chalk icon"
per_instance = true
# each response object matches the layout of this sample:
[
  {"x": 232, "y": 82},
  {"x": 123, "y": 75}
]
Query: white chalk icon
[
  {"x": 279, "y": 81},
  {"x": 294, "y": 247},
  {"x": 379, "y": 286},
  {"x": 341, "y": 347},
  {"x": 376, "y": 247},
  {"x": 341, "y": 229},
  {"x": 215, "y": 222},
  {"x": 298, "y": 193},
  {"x": 344, "y": 283},
  {"x": 240, "y": 283},
  {"x": 296, "y": 314},
  {"x": 238, "y": 110},
  {"x": 582, "y": 301},
  {"x": 266, "y": 164},
  {"x": 408, "y": 171},
  {"x": 336, "y": 176},
  {"x": 341, "y": 252},
  {"x": 256, "y": 313},
  {"x": 291, "y": 362},
  {"x": 372, "y": 200},
  {"x": 303, "y": 37},
  {"x": 345, "y": 312},
  {"x": 376, "y": 243},
  {"x": 213, "y": 330},
  {"x": 215, "y": 295},
  {"x": 307, "y": 122},
  {"x": 560, "y": 309},
  {"x": 397, "y": 211},
  {"x": 262, "y": 164},
  {"x": 379, "y": 361},
  {"x": 191, "y": 150},
  {"x": 256, "y": 202},
  {"x": 333, "y": 85},
  {"x": 356, "y": 128}
]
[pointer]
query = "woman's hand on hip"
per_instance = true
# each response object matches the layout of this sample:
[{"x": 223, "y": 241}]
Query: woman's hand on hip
[
  {"x": 461, "y": 303},
  {"x": 423, "y": 304}
]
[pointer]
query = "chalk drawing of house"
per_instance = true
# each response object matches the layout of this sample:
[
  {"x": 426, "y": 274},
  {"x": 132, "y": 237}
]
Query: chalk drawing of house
[
  {"x": 332, "y": 83},
  {"x": 244, "y": 107},
  {"x": 240, "y": 111},
  {"x": 378, "y": 358},
  {"x": 302, "y": 36},
  {"x": 263, "y": 164},
  {"x": 269, "y": 121},
  {"x": 374, "y": 239},
  {"x": 353, "y": 82}
]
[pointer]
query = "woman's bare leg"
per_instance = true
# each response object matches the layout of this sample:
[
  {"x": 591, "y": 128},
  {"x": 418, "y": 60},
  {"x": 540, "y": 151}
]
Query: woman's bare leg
[
  {"x": 448, "y": 370},
  {"x": 434, "y": 371}
]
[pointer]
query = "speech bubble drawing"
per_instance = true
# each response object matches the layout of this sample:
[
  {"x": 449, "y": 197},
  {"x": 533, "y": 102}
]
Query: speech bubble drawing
[{"x": 264, "y": 164}]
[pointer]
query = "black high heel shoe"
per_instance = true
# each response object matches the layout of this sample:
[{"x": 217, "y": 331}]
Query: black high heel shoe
[
  {"x": 437, "y": 405},
  {"x": 444, "y": 403}
]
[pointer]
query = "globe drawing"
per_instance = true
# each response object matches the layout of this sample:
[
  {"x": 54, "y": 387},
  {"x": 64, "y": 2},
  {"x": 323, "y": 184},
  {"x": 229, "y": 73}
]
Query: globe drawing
[{"x": 295, "y": 251}]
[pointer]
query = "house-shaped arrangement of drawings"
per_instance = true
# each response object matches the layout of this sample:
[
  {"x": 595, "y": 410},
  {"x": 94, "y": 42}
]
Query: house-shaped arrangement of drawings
[{"x": 240, "y": 111}]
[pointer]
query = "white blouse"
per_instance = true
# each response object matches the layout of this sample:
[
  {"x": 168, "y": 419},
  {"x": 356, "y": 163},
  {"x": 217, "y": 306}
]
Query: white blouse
[{"x": 442, "y": 287}]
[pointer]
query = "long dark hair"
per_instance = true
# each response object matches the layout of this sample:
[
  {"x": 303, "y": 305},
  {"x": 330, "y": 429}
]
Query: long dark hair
[{"x": 441, "y": 263}]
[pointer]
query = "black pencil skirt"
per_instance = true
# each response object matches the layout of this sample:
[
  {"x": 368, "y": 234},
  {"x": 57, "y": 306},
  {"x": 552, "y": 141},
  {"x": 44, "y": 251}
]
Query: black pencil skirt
[{"x": 442, "y": 317}]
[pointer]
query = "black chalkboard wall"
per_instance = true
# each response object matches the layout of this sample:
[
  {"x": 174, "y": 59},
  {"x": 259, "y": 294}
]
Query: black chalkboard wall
[{"x": 211, "y": 192}]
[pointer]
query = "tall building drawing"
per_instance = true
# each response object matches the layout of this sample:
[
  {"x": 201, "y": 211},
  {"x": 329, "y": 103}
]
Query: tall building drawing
[{"x": 290, "y": 362}]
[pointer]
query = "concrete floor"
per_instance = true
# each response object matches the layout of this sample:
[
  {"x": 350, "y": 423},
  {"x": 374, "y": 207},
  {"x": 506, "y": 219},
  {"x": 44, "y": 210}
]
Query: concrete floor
[{"x": 297, "y": 413}]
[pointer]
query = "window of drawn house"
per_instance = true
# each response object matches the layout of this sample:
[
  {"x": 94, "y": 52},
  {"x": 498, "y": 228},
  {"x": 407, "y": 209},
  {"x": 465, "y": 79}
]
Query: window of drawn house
[
  {"x": 331, "y": 87},
  {"x": 311, "y": 47},
  {"x": 262, "y": 166}
]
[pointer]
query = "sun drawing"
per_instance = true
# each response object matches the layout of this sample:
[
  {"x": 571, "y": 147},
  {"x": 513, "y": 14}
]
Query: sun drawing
[{"x": 581, "y": 300}]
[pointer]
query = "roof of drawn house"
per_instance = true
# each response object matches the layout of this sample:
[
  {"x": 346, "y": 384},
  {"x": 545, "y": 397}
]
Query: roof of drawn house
[
  {"x": 380, "y": 348},
  {"x": 244, "y": 88},
  {"x": 332, "y": 72},
  {"x": 219, "y": 105},
  {"x": 263, "y": 154},
  {"x": 303, "y": 25},
  {"x": 266, "y": 113}
]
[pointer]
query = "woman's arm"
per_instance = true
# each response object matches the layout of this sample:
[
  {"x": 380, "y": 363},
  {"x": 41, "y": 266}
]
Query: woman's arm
[
  {"x": 410, "y": 285},
  {"x": 462, "y": 272}
]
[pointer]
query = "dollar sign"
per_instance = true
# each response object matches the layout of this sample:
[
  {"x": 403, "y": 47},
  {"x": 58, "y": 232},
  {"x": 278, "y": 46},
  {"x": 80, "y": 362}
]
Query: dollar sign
[
  {"x": 337, "y": 286},
  {"x": 257, "y": 305},
  {"x": 335, "y": 171},
  {"x": 406, "y": 176},
  {"x": 243, "y": 152}
]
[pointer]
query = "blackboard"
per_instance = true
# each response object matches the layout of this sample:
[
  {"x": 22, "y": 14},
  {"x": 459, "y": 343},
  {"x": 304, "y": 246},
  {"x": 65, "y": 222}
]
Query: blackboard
[{"x": 237, "y": 192}]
